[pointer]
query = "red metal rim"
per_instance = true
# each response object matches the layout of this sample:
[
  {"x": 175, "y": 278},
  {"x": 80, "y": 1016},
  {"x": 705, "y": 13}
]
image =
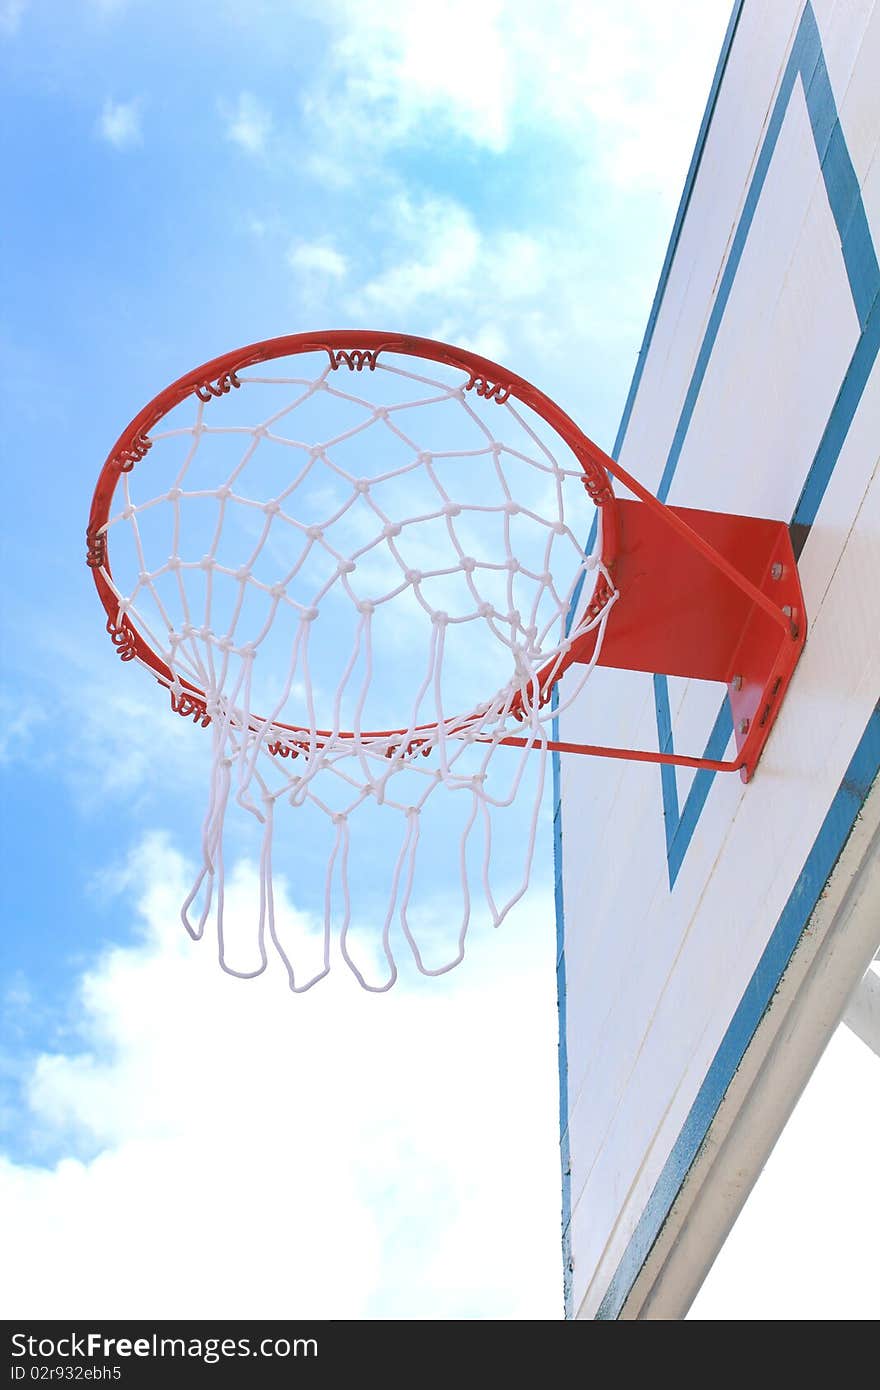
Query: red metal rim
[{"x": 350, "y": 347}]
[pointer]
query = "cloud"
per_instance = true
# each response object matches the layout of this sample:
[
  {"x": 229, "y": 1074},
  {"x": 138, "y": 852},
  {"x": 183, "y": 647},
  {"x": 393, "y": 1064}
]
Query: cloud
[
  {"x": 250, "y": 125},
  {"x": 613, "y": 85},
  {"x": 11, "y": 12},
  {"x": 115, "y": 739},
  {"x": 317, "y": 258},
  {"x": 246, "y": 1143},
  {"x": 410, "y": 62},
  {"x": 120, "y": 123},
  {"x": 440, "y": 247},
  {"x": 17, "y": 725},
  {"x": 443, "y": 272}
]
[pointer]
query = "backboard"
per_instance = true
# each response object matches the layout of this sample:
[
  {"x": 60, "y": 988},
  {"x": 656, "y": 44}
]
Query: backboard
[{"x": 710, "y": 931}]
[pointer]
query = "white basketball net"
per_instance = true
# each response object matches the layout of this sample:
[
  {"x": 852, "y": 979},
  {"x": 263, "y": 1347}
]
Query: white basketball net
[{"x": 344, "y": 578}]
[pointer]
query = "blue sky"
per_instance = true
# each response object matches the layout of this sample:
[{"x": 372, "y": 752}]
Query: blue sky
[{"x": 182, "y": 179}]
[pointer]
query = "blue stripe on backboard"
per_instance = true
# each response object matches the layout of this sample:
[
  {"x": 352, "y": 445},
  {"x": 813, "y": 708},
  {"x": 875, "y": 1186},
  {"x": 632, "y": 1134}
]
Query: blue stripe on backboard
[
  {"x": 565, "y": 1156},
  {"x": 844, "y": 197},
  {"x": 677, "y": 225},
  {"x": 835, "y": 831},
  {"x": 840, "y": 419},
  {"x": 860, "y": 261},
  {"x": 557, "y": 804},
  {"x": 680, "y": 829},
  {"x": 668, "y": 783}
]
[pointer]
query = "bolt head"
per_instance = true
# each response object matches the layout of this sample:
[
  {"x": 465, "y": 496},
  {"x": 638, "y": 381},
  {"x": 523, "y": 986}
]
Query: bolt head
[
  {"x": 737, "y": 682},
  {"x": 777, "y": 570},
  {"x": 744, "y": 726}
]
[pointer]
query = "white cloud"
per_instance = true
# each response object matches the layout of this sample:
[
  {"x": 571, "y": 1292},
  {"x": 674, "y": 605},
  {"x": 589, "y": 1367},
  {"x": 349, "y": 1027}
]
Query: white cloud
[
  {"x": 613, "y": 83},
  {"x": 11, "y": 12},
  {"x": 262, "y": 1155},
  {"x": 250, "y": 125},
  {"x": 17, "y": 724},
  {"x": 443, "y": 273},
  {"x": 437, "y": 248},
  {"x": 317, "y": 258},
  {"x": 410, "y": 62},
  {"x": 436, "y": 257},
  {"x": 120, "y": 123},
  {"x": 122, "y": 743}
]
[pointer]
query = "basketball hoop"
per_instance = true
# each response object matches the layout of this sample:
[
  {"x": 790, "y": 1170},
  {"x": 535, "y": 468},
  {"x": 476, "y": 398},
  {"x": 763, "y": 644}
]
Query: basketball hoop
[{"x": 394, "y": 495}]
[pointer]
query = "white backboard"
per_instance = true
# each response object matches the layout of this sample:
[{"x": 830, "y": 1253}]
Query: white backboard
[{"x": 698, "y": 917}]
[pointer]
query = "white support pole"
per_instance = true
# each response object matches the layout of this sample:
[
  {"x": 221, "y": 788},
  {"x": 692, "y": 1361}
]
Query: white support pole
[{"x": 863, "y": 1011}]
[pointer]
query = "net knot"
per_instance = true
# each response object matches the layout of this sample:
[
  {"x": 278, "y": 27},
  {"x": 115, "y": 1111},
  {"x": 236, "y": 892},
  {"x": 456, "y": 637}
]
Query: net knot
[
  {"x": 511, "y": 508},
  {"x": 362, "y": 486},
  {"x": 413, "y": 576},
  {"x": 308, "y": 615},
  {"x": 272, "y": 508},
  {"x": 468, "y": 564},
  {"x": 346, "y": 567},
  {"x": 314, "y": 533},
  {"x": 452, "y": 509},
  {"x": 441, "y": 619},
  {"x": 206, "y": 562},
  {"x": 174, "y": 494},
  {"x": 391, "y": 528},
  {"x": 366, "y": 606}
]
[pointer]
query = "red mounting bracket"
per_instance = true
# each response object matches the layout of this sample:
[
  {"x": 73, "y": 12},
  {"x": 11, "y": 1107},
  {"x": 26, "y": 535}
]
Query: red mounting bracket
[{"x": 709, "y": 596}]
